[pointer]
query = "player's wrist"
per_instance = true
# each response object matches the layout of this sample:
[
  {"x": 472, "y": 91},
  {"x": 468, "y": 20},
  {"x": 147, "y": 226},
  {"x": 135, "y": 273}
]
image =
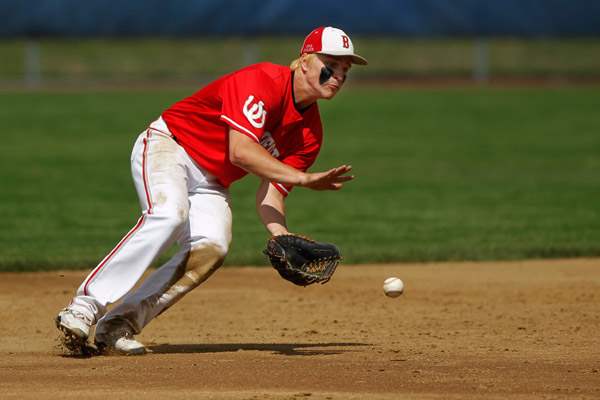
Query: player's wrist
[
  {"x": 277, "y": 230},
  {"x": 303, "y": 179}
]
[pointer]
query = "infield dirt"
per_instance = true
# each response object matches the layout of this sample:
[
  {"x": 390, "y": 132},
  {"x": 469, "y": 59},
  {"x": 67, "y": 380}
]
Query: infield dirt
[{"x": 519, "y": 330}]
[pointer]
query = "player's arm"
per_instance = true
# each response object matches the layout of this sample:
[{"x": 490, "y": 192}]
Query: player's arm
[
  {"x": 270, "y": 205},
  {"x": 252, "y": 157}
]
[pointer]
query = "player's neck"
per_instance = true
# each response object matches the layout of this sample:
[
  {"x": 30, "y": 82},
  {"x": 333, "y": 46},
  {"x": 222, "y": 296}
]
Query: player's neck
[{"x": 303, "y": 96}]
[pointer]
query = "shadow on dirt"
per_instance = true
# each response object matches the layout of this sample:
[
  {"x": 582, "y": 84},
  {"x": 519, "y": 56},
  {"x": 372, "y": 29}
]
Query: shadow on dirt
[{"x": 288, "y": 349}]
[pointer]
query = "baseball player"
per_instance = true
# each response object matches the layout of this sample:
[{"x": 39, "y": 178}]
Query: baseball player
[{"x": 262, "y": 119}]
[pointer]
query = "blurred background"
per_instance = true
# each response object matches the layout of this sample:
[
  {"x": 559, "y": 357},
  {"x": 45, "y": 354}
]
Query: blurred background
[
  {"x": 65, "y": 42},
  {"x": 474, "y": 131}
]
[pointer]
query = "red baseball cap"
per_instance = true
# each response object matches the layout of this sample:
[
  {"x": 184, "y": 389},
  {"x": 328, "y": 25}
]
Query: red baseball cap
[{"x": 331, "y": 41}]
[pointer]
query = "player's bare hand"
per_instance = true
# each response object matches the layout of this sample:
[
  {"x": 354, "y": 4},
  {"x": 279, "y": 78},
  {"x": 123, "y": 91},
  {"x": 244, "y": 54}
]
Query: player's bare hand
[{"x": 333, "y": 179}]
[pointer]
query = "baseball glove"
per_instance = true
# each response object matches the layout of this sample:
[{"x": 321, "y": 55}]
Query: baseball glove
[{"x": 302, "y": 261}]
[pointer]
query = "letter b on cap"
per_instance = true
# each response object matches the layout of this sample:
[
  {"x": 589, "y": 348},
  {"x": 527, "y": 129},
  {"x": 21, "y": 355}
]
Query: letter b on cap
[{"x": 345, "y": 41}]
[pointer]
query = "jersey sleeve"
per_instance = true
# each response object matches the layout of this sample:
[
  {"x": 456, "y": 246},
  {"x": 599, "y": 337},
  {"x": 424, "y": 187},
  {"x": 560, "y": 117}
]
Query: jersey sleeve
[
  {"x": 247, "y": 98},
  {"x": 302, "y": 159}
]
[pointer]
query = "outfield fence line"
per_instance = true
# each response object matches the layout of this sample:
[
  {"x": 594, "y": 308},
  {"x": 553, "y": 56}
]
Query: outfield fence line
[{"x": 35, "y": 63}]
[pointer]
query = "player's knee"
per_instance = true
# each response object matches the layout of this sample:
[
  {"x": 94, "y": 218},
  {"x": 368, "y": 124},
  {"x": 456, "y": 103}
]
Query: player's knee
[
  {"x": 217, "y": 247},
  {"x": 203, "y": 260}
]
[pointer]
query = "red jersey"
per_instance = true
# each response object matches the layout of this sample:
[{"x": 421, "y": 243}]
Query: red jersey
[{"x": 256, "y": 101}]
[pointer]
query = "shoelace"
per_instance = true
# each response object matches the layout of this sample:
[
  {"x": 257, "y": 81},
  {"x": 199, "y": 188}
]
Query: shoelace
[{"x": 82, "y": 316}]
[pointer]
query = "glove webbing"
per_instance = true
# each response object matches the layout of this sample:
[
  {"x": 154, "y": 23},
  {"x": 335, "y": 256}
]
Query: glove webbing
[{"x": 323, "y": 267}]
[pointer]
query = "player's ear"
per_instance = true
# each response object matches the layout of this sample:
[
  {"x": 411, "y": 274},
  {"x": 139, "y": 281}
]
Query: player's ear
[{"x": 305, "y": 60}]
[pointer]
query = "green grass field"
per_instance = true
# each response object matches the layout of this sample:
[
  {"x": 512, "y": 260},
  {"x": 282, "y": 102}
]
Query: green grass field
[{"x": 441, "y": 175}]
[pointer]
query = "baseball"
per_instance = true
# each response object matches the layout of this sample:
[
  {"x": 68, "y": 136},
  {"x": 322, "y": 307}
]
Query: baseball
[{"x": 393, "y": 287}]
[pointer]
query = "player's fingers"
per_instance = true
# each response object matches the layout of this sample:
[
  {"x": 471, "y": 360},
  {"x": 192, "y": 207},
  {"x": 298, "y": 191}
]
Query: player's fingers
[
  {"x": 335, "y": 173},
  {"x": 331, "y": 179},
  {"x": 344, "y": 178},
  {"x": 343, "y": 169},
  {"x": 339, "y": 169}
]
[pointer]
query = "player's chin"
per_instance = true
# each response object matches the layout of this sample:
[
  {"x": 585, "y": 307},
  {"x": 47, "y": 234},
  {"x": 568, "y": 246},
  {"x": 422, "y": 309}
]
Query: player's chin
[{"x": 329, "y": 92}]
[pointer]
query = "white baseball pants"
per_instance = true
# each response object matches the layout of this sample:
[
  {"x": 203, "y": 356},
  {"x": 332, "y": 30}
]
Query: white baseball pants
[{"x": 180, "y": 202}]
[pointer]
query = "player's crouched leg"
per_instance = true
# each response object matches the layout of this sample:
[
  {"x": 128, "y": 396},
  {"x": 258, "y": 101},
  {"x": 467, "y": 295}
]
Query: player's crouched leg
[
  {"x": 115, "y": 333},
  {"x": 204, "y": 259}
]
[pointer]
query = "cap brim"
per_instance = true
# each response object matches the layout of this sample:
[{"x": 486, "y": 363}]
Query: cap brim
[{"x": 356, "y": 59}]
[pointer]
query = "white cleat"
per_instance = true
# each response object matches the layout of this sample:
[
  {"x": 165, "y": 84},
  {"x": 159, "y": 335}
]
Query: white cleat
[
  {"x": 75, "y": 327},
  {"x": 129, "y": 346},
  {"x": 124, "y": 344}
]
